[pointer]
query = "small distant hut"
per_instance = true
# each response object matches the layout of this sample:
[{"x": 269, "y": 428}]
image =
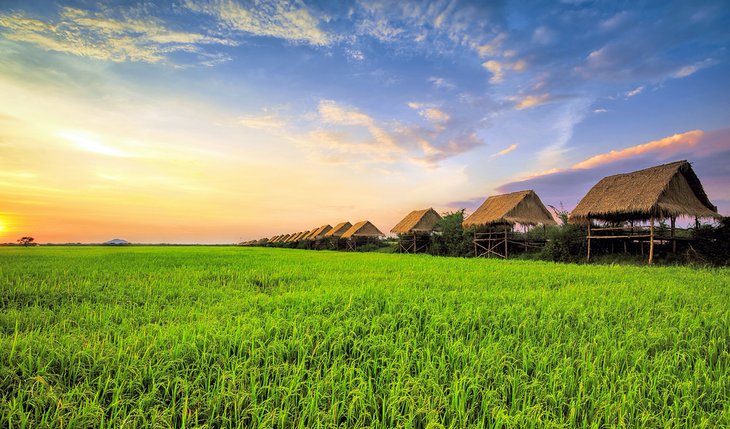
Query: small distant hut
[
  {"x": 282, "y": 238},
  {"x": 317, "y": 238},
  {"x": 494, "y": 222},
  {"x": 624, "y": 201},
  {"x": 338, "y": 230},
  {"x": 332, "y": 239},
  {"x": 414, "y": 231},
  {"x": 300, "y": 236},
  {"x": 318, "y": 233},
  {"x": 305, "y": 236},
  {"x": 293, "y": 237},
  {"x": 362, "y": 232}
]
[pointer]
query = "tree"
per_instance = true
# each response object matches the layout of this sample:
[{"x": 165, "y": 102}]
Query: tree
[
  {"x": 26, "y": 241},
  {"x": 452, "y": 239}
]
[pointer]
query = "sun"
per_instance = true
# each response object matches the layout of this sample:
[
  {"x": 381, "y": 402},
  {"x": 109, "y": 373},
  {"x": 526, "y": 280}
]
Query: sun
[{"x": 2, "y": 226}]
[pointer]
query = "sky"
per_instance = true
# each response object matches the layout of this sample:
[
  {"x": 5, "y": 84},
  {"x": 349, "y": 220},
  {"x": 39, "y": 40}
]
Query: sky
[{"x": 227, "y": 120}]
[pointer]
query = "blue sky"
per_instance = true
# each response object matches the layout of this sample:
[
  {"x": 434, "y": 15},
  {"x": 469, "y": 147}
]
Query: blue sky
[{"x": 215, "y": 121}]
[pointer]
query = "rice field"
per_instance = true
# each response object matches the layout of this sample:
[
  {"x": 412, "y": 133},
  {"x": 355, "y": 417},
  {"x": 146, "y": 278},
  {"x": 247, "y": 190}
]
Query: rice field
[{"x": 218, "y": 337}]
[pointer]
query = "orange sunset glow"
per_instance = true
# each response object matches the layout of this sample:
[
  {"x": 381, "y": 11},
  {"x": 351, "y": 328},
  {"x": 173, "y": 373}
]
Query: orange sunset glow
[{"x": 209, "y": 124}]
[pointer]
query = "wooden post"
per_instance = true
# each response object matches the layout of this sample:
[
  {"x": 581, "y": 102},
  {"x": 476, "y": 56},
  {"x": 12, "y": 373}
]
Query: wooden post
[
  {"x": 505, "y": 243},
  {"x": 674, "y": 242},
  {"x": 475, "y": 244},
  {"x": 651, "y": 240},
  {"x": 589, "y": 240}
]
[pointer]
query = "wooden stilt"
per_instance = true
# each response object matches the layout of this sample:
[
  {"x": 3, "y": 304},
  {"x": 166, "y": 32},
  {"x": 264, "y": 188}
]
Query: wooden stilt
[
  {"x": 674, "y": 242},
  {"x": 476, "y": 252},
  {"x": 589, "y": 241},
  {"x": 505, "y": 243},
  {"x": 651, "y": 240}
]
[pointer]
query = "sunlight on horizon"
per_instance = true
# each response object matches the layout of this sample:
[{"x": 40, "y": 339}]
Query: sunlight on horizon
[{"x": 218, "y": 127}]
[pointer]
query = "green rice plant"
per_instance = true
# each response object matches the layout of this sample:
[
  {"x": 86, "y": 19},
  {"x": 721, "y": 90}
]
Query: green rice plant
[{"x": 263, "y": 337}]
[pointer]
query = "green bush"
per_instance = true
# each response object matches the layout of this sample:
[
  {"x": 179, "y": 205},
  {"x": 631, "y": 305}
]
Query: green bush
[
  {"x": 712, "y": 244},
  {"x": 452, "y": 239}
]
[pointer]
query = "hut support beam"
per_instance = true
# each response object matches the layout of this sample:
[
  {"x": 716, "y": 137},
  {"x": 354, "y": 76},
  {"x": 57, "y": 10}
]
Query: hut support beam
[
  {"x": 589, "y": 241},
  {"x": 672, "y": 232},
  {"x": 651, "y": 240}
]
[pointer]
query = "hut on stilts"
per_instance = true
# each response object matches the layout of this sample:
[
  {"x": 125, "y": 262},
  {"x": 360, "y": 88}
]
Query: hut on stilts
[
  {"x": 333, "y": 237},
  {"x": 316, "y": 237},
  {"x": 624, "y": 202},
  {"x": 361, "y": 233},
  {"x": 494, "y": 223},
  {"x": 414, "y": 231}
]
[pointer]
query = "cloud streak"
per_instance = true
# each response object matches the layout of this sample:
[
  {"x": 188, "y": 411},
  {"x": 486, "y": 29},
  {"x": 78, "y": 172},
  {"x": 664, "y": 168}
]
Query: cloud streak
[
  {"x": 290, "y": 21},
  {"x": 505, "y": 151},
  {"x": 101, "y": 36}
]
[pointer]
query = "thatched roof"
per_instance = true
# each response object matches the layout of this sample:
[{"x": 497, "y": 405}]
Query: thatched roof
[
  {"x": 522, "y": 207},
  {"x": 282, "y": 238},
  {"x": 362, "y": 229},
  {"x": 417, "y": 221},
  {"x": 308, "y": 234},
  {"x": 293, "y": 237},
  {"x": 274, "y": 238},
  {"x": 667, "y": 190},
  {"x": 301, "y": 236},
  {"x": 318, "y": 233},
  {"x": 338, "y": 230}
]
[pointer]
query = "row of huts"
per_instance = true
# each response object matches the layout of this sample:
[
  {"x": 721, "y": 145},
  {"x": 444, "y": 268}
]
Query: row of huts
[{"x": 617, "y": 208}]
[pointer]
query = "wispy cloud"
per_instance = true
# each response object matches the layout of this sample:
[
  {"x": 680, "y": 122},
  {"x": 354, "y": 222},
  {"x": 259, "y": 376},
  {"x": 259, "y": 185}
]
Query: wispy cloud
[
  {"x": 440, "y": 82},
  {"x": 290, "y": 21},
  {"x": 527, "y": 101},
  {"x": 691, "y": 69},
  {"x": 104, "y": 36},
  {"x": 498, "y": 69},
  {"x": 91, "y": 143},
  {"x": 505, "y": 151},
  {"x": 261, "y": 122},
  {"x": 636, "y": 91},
  {"x": 666, "y": 144},
  {"x": 430, "y": 113}
]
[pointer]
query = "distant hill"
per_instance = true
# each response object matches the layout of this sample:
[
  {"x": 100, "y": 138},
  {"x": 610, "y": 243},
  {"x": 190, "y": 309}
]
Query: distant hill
[{"x": 116, "y": 242}]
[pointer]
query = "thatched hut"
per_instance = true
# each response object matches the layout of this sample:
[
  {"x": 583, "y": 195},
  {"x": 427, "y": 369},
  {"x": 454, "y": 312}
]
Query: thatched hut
[
  {"x": 294, "y": 237},
  {"x": 308, "y": 234},
  {"x": 666, "y": 191},
  {"x": 332, "y": 239},
  {"x": 361, "y": 233},
  {"x": 414, "y": 230},
  {"x": 318, "y": 233},
  {"x": 494, "y": 221},
  {"x": 338, "y": 230}
]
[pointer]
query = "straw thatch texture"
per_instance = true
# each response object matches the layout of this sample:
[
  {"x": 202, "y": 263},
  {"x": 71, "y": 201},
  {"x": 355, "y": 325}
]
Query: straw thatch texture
[
  {"x": 294, "y": 237},
  {"x": 283, "y": 238},
  {"x": 273, "y": 239},
  {"x": 422, "y": 221},
  {"x": 667, "y": 190},
  {"x": 362, "y": 229},
  {"x": 338, "y": 230},
  {"x": 308, "y": 234},
  {"x": 318, "y": 233},
  {"x": 523, "y": 207}
]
